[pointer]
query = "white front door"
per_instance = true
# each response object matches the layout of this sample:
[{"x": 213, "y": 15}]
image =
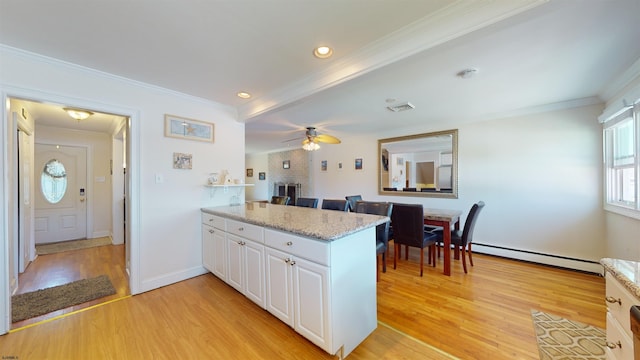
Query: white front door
[{"x": 61, "y": 213}]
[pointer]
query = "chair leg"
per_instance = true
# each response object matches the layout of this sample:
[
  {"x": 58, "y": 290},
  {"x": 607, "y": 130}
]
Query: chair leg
[
  {"x": 421, "y": 259},
  {"x": 384, "y": 262},
  {"x": 377, "y": 269},
  {"x": 406, "y": 252},
  {"x": 395, "y": 254},
  {"x": 432, "y": 253},
  {"x": 464, "y": 260},
  {"x": 470, "y": 257}
]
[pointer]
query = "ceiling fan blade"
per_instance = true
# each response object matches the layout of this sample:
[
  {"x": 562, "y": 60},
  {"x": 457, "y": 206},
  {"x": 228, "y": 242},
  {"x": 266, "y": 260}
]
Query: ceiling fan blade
[
  {"x": 294, "y": 139},
  {"x": 324, "y": 138},
  {"x": 305, "y": 141}
]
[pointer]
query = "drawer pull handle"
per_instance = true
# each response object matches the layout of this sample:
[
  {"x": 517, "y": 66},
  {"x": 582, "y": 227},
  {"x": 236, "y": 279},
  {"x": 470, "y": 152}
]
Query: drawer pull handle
[
  {"x": 292, "y": 263},
  {"x": 211, "y": 231},
  {"x": 210, "y": 220},
  {"x": 613, "y": 346},
  {"x": 287, "y": 260},
  {"x": 612, "y": 300},
  {"x": 241, "y": 229},
  {"x": 289, "y": 243}
]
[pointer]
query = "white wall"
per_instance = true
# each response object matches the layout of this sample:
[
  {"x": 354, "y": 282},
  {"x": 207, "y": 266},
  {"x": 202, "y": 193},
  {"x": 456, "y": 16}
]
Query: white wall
[
  {"x": 259, "y": 163},
  {"x": 165, "y": 219},
  {"x": 540, "y": 176}
]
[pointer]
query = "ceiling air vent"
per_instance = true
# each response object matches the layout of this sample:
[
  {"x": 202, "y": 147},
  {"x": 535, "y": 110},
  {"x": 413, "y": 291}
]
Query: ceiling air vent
[{"x": 401, "y": 107}]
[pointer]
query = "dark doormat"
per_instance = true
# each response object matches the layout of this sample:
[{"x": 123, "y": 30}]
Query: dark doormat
[{"x": 43, "y": 301}]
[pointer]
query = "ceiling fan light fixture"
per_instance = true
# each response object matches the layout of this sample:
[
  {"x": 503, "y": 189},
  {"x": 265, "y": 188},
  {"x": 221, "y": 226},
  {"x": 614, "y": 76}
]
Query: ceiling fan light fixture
[
  {"x": 78, "y": 114},
  {"x": 322, "y": 52},
  {"x": 310, "y": 146}
]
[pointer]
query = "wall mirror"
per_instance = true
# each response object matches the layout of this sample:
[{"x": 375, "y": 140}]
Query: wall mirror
[{"x": 419, "y": 165}]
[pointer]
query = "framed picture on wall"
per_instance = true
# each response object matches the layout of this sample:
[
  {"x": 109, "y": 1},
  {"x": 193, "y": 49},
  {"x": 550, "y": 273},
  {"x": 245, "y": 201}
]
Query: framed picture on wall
[
  {"x": 262, "y": 175},
  {"x": 358, "y": 164},
  {"x": 323, "y": 165},
  {"x": 182, "y": 161},
  {"x": 184, "y": 128},
  {"x": 286, "y": 164},
  {"x": 249, "y": 172}
]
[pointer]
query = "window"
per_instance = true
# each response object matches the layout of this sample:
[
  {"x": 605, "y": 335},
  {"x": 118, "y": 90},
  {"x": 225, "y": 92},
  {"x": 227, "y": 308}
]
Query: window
[
  {"x": 53, "y": 181},
  {"x": 622, "y": 163}
]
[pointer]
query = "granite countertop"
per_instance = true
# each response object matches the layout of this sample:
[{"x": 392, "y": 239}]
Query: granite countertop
[
  {"x": 626, "y": 271},
  {"x": 320, "y": 224}
]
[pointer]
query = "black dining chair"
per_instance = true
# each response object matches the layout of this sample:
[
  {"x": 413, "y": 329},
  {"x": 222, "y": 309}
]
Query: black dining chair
[
  {"x": 408, "y": 230},
  {"x": 334, "y": 204},
  {"x": 382, "y": 230},
  {"x": 307, "y": 202},
  {"x": 352, "y": 200},
  {"x": 280, "y": 200},
  {"x": 462, "y": 239}
]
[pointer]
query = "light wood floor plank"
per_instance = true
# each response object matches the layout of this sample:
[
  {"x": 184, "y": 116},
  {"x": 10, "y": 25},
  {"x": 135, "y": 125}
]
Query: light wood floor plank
[{"x": 484, "y": 314}]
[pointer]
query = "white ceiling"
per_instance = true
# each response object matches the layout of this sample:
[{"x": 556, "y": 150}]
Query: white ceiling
[{"x": 528, "y": 53}]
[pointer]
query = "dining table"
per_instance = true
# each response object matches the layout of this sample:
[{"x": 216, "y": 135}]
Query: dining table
[{"x": 444, "y": 218}]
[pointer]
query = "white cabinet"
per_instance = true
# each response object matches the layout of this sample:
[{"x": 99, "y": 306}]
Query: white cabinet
[
  {"x": 325, "y": 290},
  {"x": 619, "y": 336},
  {"x": 298, "y": 295},
  {"x": 245, "y": 260},
  {"x": 213, "y": 245}
]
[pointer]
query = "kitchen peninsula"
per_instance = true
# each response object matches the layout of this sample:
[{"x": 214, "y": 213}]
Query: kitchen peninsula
[{"x": 313, "y": 269}]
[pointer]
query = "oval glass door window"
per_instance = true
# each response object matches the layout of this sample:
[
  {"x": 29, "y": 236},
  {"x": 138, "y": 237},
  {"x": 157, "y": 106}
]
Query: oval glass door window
[{"x": 53, "y": 181}]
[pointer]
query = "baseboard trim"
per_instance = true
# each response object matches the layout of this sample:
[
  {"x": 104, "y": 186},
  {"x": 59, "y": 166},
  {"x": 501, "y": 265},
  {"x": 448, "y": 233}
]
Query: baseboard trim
[
  {"x": 172, "y": 278},
  {"x": 589, "y": 266}
]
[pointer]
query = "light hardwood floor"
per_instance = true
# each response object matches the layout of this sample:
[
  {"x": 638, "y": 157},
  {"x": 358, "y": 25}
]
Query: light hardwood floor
[{"x": 484, "y": 314}]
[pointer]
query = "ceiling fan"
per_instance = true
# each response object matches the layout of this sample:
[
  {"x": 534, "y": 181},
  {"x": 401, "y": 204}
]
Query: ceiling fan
[{"x": 313, "y": 138}]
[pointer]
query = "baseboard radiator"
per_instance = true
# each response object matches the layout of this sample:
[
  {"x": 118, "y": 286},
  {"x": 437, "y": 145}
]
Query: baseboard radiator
[{"x": 540, "y": 258}]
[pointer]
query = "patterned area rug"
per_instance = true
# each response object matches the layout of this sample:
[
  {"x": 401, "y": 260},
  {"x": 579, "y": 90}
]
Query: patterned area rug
[
  {"x": 52, "y": 248},
  {"x": 562, "y": 339}
]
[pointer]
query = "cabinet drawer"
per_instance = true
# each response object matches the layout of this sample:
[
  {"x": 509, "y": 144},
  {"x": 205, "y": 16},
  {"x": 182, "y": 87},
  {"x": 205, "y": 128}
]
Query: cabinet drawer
[
  {"x": 313, "y": 250},
  {"x": 622, "y": 345},
  {"x": 619, "y": 302},
  {"x": 247, "y": 231},
  {"x": 212, "y": 220}
]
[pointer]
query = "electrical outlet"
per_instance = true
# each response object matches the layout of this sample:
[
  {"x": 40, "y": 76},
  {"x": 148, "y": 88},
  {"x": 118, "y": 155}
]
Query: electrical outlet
[{"x": 159, "y": 179}]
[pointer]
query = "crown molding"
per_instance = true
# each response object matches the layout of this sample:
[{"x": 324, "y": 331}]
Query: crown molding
[
  {"x": 27, "y": 55},
  {"x": 457, "y": 19}
]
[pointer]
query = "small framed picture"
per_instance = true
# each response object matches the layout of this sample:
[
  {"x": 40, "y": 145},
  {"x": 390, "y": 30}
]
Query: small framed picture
[
  {"x": 286, "y": 164},
  {"x": 249, "y": 172},
  {"x": 340, "y": 166},
  {"x": 262, "y": 175},
  {"x": 358, "y": 164},
  {"x": 182, "y": 161},
  {"x": 323, "y": 165}
]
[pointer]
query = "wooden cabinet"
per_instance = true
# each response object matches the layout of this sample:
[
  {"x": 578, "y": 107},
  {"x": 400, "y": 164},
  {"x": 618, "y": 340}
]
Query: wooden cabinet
[{"x": 619, "y": 336}]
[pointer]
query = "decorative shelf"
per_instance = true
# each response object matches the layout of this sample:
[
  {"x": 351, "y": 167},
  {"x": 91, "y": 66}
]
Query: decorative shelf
[{"x": 237, "y": 187}]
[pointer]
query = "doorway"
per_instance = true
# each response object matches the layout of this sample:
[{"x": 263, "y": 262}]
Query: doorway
[{"x": 78, "y": 212}]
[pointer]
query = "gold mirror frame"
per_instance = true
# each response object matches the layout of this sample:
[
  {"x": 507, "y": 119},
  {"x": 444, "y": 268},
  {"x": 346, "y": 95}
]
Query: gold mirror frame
[{"x": 399, "y": 156}]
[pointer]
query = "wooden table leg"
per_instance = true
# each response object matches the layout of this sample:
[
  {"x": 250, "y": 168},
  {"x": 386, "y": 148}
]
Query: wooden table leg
[
  {"x": 446, "y": 237},
  {"x": 456, "y": 251}
]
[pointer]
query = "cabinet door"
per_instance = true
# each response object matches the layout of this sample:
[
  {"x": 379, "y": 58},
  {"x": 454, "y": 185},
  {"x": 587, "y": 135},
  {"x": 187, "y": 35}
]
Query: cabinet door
[
  {"x": 219, "y": 256},
  {"x": 278, "y": 271},
  {"x": 235, "y": 265},
  {"x": 208, "y": 233},
  {"x": 311, "y": 302},
  {"x": 254, "y": 272}
]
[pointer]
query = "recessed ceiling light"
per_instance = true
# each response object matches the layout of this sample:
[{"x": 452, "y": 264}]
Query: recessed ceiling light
[
  {"x": 244, "y": 95},
  {"x": 322, "y": 52}
]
